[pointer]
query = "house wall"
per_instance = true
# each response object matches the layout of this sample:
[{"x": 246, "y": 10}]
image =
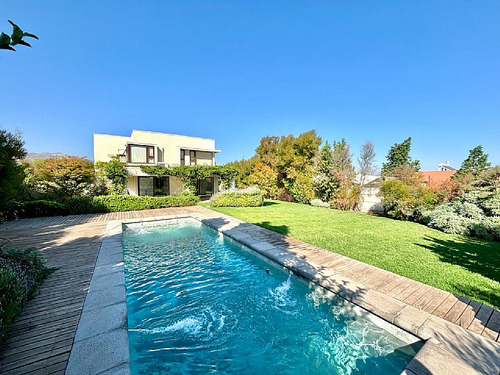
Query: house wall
[
  {"x": 106, "y": 146},
  {"x": 171, "y": 144}
]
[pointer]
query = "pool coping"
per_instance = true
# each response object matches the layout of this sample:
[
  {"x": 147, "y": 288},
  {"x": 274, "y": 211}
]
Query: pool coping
[{"x": 101, "y": 341}]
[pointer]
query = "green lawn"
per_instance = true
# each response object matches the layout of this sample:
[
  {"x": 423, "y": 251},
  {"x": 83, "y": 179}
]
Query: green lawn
[{"x": 466, "y": 266}]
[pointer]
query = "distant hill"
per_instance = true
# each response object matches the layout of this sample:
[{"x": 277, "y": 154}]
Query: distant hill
[{"x": 30, "y": 156}]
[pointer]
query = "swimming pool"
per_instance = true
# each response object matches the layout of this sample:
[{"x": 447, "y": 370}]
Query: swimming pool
[{"x": 199, "y": 303}]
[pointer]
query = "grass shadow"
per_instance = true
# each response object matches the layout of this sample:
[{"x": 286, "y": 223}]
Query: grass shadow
[{"x": 477, "y": 256}]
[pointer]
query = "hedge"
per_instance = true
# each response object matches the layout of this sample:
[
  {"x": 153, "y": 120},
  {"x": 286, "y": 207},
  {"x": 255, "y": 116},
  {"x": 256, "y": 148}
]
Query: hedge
[
  {"x": 250, "y": 197},
  {"x": 98, "y": 204},
  {"x": 21, "y": 272},
  {"x": 120, "y": 203}
]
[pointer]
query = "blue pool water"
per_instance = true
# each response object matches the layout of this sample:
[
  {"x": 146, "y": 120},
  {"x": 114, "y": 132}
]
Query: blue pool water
[{"x": 199, "y": 304}]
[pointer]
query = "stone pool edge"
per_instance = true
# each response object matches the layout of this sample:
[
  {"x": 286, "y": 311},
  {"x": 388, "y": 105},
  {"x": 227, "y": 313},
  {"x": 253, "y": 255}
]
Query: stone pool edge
[{"x": 448, "y": 349}]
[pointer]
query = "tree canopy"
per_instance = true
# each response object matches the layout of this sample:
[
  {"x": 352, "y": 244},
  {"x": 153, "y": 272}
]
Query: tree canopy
[
  {"x": 399, "y": 155},
  {"x": 477, "y": 161},
  {"x": 11, "y": 172}
]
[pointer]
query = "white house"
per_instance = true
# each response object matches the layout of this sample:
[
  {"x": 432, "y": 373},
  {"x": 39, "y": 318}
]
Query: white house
[{"x": 154, "y": 148}]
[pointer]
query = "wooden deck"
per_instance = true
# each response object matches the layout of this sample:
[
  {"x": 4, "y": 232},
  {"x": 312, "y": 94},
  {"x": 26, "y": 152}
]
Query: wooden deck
[{"x": 40, "y": 340}]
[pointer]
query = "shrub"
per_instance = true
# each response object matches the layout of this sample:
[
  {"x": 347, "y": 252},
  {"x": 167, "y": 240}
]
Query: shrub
[
  {"x": 319, "y": 203},
  {"x": 40, "y": 208},
  {"x": 446, "y": 218},
  {"x": 250, "y": 197},
  {"x": 346, "y": 198},
  {"x": 120, "y": 203},
  {"x": 469, "y": 215},
  {"x": 21, "y": 272},
  {"x": 405, "y": 200}
]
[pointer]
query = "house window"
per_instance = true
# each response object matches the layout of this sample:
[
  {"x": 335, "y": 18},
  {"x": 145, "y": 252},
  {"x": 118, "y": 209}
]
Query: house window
[
  {"x": 205, "y": 186},
  {"x": 192, "y": 157},
  {"x": 141, "y": 154},
  {"x": 183, "y": 157},
  {"x": 146, "y": 186},
  {"x": 154, "y": 186}
]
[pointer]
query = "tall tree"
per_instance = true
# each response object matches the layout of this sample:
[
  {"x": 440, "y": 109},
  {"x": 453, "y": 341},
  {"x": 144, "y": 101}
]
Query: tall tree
[
  {"x": 366, "y": 161},
  {"x": 476, "y": 162},
  {"x": 11, "y": 172},
  {"x": 324, "y": 180},
  {"x": 342, "y": 163},
  {"x": 399, "y": 155}
]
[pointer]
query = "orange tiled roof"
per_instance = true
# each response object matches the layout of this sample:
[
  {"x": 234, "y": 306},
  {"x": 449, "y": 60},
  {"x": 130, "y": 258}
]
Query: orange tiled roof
[{"x": 436, "y": 178}]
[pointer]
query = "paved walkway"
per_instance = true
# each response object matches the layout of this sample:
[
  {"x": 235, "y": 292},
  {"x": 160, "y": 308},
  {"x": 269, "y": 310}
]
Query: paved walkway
[{"x": 40, "y": 340}]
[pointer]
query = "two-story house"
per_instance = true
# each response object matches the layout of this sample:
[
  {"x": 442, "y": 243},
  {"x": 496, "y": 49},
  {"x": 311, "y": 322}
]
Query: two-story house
[{"x": 154, "y": 148}]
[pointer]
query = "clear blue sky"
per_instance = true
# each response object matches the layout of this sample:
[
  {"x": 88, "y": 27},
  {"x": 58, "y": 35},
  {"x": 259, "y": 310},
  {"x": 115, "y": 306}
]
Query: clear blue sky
[{"x": 239, "y": 70}]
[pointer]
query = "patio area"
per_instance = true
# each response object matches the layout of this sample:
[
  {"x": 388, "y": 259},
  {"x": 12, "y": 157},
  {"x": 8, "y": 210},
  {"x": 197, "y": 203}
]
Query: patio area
[{"x": 41, "y": 339}]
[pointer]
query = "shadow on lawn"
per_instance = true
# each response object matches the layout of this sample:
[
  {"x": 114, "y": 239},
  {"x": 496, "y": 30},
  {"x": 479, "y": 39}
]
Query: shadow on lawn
[
  {"x": 475, "y": 255},
  {"x": 281, "y": 229}
]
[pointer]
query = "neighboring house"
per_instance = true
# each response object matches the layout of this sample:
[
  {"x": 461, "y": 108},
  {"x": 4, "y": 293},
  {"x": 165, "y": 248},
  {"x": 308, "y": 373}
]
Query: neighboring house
[
  {"x": 436, "y": 179},
  {"x": 154, "y": 148}
]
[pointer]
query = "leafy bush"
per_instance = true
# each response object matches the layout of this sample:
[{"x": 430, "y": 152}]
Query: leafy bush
[
  {"x": 40, "y": 208},
  {"x": 21, "y": 272},
  {"x": 446, "y": 218},
  {"x": 319, "y": 203},
  {"x": 475, "y": 214},
  {"x": 120, "y": 203},
  {"x": 346, "y": 198},
  {"x": 250, "y": 197},
  {"x": 405, "y": 200}
]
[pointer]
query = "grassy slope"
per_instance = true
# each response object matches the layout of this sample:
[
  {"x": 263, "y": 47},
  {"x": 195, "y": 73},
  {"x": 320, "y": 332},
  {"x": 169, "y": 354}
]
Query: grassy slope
[{"x": 465, "y": 266}]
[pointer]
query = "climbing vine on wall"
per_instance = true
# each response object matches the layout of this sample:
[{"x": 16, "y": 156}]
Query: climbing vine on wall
[{"x": 189, "y": 175}]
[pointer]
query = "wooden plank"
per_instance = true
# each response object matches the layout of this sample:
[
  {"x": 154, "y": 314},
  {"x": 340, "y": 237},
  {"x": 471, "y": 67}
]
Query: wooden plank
[
  {"x": 481, "y": 318},
  {"x": 457, "y": 309},
  {"x": 469, "y": 313},
  {"x": 493, "y": 326},
  {"x": 442, "y": 309}
]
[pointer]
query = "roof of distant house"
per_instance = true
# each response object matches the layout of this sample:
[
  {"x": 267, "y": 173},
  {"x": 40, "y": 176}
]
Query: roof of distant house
[{"x": 436, "y": 177}]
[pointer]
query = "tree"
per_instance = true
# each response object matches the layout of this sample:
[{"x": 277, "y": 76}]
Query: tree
[
  {"x": 7, "y": 42},
  {"x": 66, "y": 176},
  {"x": 399, "y": 155},
  {"x": 11, "y": 172},
  {"x": 266, "y": 178},
  {"x": 366, "y": 161},
  {"x": 476, "y": 162},
  {"x": 347, "y": 194},
  {"x": 342, "y": 163},
  {"x": 324, "y": 180}
]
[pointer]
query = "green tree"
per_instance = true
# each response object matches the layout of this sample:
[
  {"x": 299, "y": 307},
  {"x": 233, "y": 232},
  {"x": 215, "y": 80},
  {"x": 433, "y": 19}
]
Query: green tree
[
  {"x": 476, "y": 162},
  {"x": 399, "y": 155},
  {"x": 7, "y": 42},
  {"x": 66, "y": 176},
  {"x": 11, "y": 172},
  {"x": 324, "y": 180}
]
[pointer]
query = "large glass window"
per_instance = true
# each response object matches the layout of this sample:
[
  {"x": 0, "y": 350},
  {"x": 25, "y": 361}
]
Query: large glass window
[
  {"x": 205, "y": 186},
  {"x": 183, "y": 157},
  {"x": 141, "y": 154},
  {"x": 192, "y": 157},
  {"x": 146, "y": 186},
  {"x": 161, "y": 186}
]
